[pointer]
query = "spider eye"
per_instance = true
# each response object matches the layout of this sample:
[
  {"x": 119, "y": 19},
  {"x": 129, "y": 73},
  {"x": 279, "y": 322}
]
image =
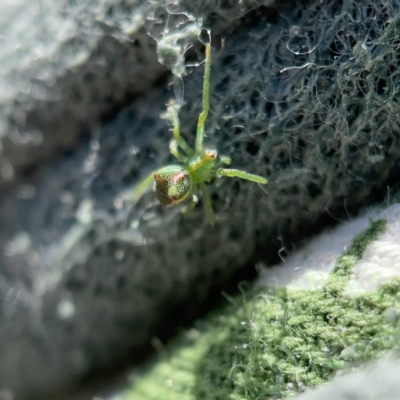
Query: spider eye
[
  {"x": 211, "y": 154},
  {"x": 173, "y": 185}
]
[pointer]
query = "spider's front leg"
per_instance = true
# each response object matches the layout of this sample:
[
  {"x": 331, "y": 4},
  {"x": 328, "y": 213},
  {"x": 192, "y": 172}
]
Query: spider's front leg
[
  {"x": 236, "y": 173},
  {"x": 176, "y": 130},
  {"x": 206, "y": 101},
  {"x": 173, "y": 147},
  {"x": 224, "y": 160}
]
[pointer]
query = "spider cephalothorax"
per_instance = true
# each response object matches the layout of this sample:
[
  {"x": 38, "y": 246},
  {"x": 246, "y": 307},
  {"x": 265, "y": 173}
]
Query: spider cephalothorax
[{"x": 176, "y": 183}]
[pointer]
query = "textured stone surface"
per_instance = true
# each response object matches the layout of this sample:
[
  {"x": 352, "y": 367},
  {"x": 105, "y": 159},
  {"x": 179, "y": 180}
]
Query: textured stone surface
[
  {"x": 63, "y": 65},
  {"x": 376, "y": 382},
  {"x": 304, "y": 96}
]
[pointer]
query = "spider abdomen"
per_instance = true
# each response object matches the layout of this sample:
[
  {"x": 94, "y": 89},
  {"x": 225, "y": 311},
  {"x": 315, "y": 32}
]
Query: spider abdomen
[{"x": 173, "y": 184}]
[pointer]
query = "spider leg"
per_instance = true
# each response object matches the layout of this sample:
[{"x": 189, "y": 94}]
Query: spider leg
[
  {"x": 193, "y": 201},
  {"x": 135, "y": 194},
  {"x": 236, "y": 173},
  {"x": 208, "y": 203},
  {"x": 225, "y": 160},
  {"x": 206, "y": 101},
  {"x": 177, "y": 131},
  {"x": 192, "y": 204},
  {"x": 173, "y": 147}
]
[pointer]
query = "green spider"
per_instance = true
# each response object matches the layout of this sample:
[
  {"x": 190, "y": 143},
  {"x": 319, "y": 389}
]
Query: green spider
[{"x": 176, "y": 183}]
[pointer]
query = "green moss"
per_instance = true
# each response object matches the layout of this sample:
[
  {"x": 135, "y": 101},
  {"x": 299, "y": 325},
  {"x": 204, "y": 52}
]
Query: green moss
[
  {"x": 275, "y": 342},
  {"x": 173, "y": 375}
]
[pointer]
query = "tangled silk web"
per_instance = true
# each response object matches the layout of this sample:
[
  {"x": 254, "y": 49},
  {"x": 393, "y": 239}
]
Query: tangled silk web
[{"x": 306, "y": 96}]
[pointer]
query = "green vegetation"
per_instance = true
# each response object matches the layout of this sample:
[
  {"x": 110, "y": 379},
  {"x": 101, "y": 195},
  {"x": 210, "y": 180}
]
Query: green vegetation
[{"x": 275, "y": 342}]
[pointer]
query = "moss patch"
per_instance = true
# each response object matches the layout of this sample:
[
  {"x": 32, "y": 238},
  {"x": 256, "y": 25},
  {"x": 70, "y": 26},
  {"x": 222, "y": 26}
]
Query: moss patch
[{"x": 275, "y": 342}]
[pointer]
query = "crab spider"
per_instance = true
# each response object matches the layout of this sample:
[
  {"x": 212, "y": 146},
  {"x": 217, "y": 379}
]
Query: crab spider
[{"x": 176, "y": 183}]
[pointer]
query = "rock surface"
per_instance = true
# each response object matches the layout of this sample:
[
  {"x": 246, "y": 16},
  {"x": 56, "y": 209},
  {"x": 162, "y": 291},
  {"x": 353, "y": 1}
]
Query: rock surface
[{"x": 85, "y": 278}]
